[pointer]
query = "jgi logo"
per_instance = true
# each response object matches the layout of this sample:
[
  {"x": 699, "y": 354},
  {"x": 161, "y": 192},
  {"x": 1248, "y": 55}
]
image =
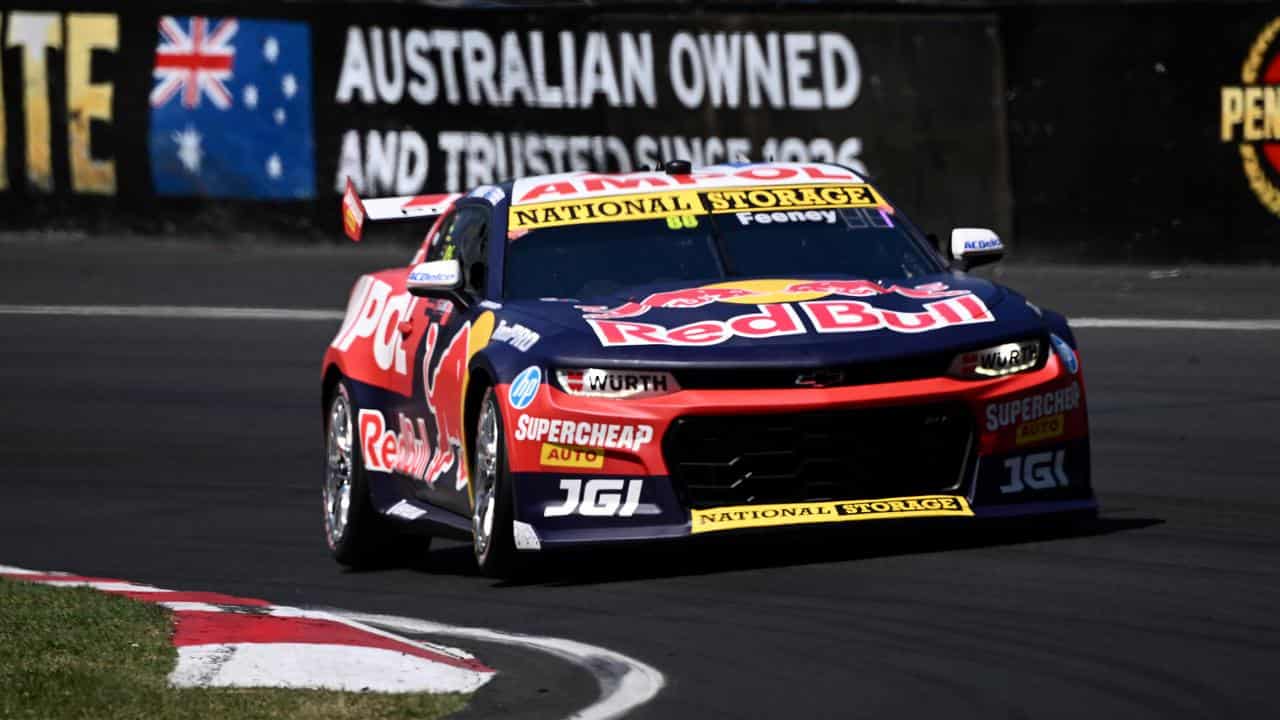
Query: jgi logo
[
  {"x": 1037, "y": 471},
  {"x": 606, "y": 497}
]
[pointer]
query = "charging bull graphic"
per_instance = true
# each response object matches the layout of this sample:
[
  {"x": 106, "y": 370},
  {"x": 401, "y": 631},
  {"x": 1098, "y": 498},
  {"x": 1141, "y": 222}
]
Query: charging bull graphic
[
  {"x": 687, "y": 298},
  {"x": 444, "y": 401},
  {"x": 409, "y": 449},
  {"x": 763, "y": 292}
]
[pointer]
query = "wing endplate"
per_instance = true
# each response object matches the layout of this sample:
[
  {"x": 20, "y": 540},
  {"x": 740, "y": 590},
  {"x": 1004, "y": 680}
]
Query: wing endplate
[{"x": 403, "y": 207}]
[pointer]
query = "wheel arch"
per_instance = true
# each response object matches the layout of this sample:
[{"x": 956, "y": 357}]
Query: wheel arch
[
  {"x": 481, "y": 378},
  {"x": 332, "y": 376}
]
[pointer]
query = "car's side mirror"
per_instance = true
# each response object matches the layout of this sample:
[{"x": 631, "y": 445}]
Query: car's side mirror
[
  {"x": 438, "y": 279},
  {"x": 971, "y": 247}
]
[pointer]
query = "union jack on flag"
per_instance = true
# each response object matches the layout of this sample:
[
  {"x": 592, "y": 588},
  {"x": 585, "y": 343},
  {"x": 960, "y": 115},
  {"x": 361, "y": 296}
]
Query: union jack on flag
[{"x": 194, "y": 63}]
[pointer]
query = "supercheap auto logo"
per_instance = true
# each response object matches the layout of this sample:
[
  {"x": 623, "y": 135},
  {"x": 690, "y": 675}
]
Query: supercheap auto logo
[{"x": 1251, "y": 116}]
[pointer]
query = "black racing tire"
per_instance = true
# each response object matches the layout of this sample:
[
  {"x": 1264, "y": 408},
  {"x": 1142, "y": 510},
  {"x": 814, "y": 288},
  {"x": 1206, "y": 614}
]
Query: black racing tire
[
  {"x": 493, "y": 509},
  {"x": 357, "y": 535}
]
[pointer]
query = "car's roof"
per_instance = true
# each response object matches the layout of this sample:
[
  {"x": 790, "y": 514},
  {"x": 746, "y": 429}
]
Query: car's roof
[{"x": 579, "y": 185}]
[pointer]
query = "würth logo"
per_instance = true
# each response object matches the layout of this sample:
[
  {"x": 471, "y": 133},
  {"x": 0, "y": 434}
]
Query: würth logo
[{"x": 1251, "y": 116}]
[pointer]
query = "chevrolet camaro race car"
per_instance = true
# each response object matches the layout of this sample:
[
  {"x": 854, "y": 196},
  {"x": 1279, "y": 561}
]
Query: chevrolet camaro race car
[{"x": 583, "y": 358}]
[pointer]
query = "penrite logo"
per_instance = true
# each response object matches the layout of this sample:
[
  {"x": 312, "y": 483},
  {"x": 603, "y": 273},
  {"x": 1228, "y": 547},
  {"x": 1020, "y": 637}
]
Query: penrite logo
[{"x": 1251, "y": 116}]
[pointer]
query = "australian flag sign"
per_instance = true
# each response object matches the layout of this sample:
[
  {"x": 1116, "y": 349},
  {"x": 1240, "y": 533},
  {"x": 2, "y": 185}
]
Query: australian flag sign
[{"x": 231, "y": 109}]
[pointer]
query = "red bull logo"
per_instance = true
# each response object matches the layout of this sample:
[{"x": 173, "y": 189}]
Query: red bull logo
[
  {"x": 385, "y": 450},
  {"x": 831, "y": 316},
  {"x": 409, "y": 449},
  {"x": 776, "y": 302},
  {"x": 763, "y": 292}
]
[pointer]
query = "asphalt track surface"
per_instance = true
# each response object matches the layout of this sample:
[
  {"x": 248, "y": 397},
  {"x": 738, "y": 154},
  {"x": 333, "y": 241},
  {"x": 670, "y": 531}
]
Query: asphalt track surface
[{"x": 187, "y": 454}]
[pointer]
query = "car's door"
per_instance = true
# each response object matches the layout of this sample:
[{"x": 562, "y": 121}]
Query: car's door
[{"x": 463, "y": 236}]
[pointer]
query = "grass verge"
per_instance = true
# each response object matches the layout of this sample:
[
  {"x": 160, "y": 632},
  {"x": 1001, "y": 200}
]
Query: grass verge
[{"x": 79, "y": 653}]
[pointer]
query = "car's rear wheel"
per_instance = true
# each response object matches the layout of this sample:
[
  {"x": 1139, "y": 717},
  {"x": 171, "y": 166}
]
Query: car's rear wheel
[
  {"x": 492, "y": 510},
  {"x": 357, "y": 535}
]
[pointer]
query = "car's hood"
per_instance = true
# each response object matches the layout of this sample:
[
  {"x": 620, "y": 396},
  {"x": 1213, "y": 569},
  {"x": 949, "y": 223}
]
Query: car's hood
[{"x": 777, "y": 322}]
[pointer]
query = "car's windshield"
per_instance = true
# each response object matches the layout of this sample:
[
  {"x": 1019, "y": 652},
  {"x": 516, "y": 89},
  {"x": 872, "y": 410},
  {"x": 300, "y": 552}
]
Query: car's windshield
[{"x": 586, "y": 260}]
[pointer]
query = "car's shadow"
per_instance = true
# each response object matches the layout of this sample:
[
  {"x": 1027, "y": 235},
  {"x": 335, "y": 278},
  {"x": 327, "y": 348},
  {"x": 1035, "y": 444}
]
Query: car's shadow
[{"x": 774, "y": 548}]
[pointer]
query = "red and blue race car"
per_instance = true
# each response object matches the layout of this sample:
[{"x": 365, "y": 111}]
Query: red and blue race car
[{"x": 586, "y": 358}]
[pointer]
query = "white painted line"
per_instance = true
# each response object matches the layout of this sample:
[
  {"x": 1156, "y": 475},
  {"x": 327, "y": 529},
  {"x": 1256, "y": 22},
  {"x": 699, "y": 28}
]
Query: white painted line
[
  {"x": 208, "y": 312},
  {"x": 1175, "y": 324},
  {"x": 120, "y": 586},
  {"x": 189, "y": 312},
  {"x": 182, "y": 606},
  {"x": 625, "y": 683},
  {"x": 295, "y": 612}
]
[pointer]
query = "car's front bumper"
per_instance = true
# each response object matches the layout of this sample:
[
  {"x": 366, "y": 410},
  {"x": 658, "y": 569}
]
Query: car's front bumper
[{"x": 591, "y": 470}]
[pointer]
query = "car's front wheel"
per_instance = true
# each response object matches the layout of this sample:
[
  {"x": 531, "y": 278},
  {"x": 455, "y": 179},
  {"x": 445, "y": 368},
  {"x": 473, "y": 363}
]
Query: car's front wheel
[
  {"x": 492, "y": 512},
  {"x": 357, "y": 535}
]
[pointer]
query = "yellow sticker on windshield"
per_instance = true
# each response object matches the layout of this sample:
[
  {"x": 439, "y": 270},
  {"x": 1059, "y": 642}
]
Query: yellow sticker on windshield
[
  {"x": 795, "y": 197},
  {"x": 682, "y": 222},
  {"x": 616, "y": 208}
]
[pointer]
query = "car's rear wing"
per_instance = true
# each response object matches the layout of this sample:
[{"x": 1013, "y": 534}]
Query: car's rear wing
[{"x": 404, "y": 207}]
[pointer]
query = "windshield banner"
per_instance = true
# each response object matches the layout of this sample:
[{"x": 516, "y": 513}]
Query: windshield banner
[
  {"x": 606, "y": 209},
  {"x": 657, "y": 205}
]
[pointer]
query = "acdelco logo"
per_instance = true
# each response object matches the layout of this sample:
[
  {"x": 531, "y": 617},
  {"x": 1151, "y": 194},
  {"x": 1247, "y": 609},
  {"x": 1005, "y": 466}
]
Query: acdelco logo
[{"x": 1251, "y": 116}]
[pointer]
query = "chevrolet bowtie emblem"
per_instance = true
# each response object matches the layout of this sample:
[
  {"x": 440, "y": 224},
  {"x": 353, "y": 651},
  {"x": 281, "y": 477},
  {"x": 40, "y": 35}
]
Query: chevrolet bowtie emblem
[{"x": 820, "y": 378}]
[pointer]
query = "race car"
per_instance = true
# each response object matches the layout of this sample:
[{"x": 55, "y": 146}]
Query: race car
[{"x": 590, "y": 358}]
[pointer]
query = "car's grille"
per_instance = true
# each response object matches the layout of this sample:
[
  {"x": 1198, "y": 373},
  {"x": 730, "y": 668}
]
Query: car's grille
[
  {"x": 830, "y": 455},
  {"x": 894, "y": 370}
]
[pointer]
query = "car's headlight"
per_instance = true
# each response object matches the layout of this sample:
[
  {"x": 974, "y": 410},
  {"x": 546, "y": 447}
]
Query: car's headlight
[
  {"x": 996, "y": 361},
  {"x": 596, "y": 382}
]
